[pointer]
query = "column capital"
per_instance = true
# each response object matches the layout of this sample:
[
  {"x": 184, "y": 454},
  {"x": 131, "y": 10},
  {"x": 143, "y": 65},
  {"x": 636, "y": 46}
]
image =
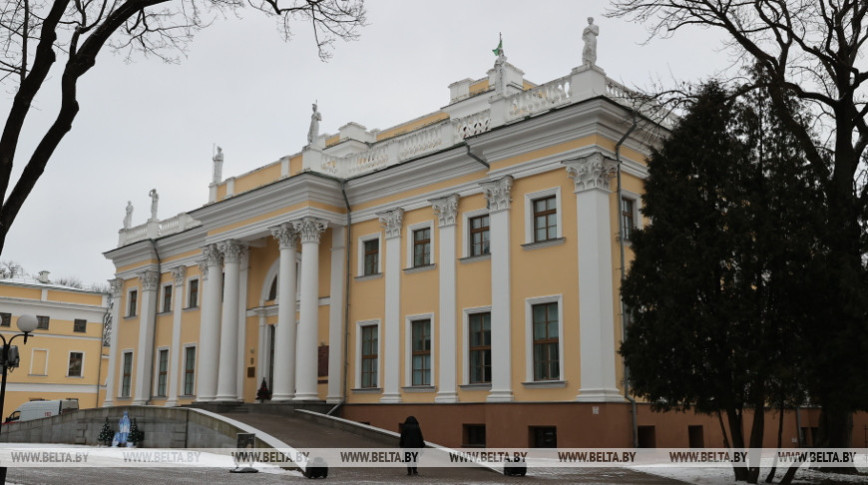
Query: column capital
[
  {"x": 150, "y": 280},
  {"x": 446, "y": 209},
  {"x": 232, "y": 250},
  {"x": 591, "y": 172},
  {"x": 211, "y": 255},
  {"x": 286, "y": 235},
  {"x": 392, "y": 221},
  {"x": 310, "y": 229},
  {"x": 203, "y": 268},
  {"x": 178, "y": 275},
  {"x": 497, "y": 193},
  {"x": 117, "y": 286}
]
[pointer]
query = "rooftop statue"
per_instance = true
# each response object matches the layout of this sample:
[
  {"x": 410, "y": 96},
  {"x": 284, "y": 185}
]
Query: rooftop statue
[
  {"x": 589, "y": 36},
  {"x": 313, "y": 132},
  {"x": 218, "y": 166},
  {"x": 128, "y": 218},
  {"x": 154, "y": 200}
]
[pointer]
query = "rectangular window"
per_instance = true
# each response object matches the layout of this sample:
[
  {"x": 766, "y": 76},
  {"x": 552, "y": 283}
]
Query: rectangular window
[
  {"x": 42, "y": 322},
  {"x": 167, "y": 298},
  {"x": 132, "y": 303},
  {"x": 189, "y": 369},
  {"x": 370, "y": 347},
  {"x": 474, "y": 436},
  {"x": 372, "y": 257},
  {"x": 628, "y": 222},
  {"x": 546, "y": 364},
  {"x": 421, "y": 338},
  {"x": 126, "y": 377},
  {"x": 162, "y": 371},
  {"x": 79, "y": 325},
  {"x": 75, "y": 360},
  {"x": 5, "y": 319},
  {"x": 479, "y": 235},
  {"x": 545, "y": 219},
  {"x": 421, "y": 247},
  {"x": 543, "y": 437},
  {"x": 193, "y": 295},
  {"x": 480, "y": 348}
]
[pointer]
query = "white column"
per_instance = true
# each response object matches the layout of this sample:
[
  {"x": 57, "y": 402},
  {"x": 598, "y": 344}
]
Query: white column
[
  {"x": 178, "y": 275},
  {"x": 446, "y": 210},
  {"x": 392, "y": 221},
  {"x": 497, "y": 193},
  {"x": 144, "y": 357},
  {"x": 262, "y": 355},
  {"x": 285, "y": 344},
  {"x": 117, "y": 287},
  {"x": 226, "y": 375},
  {"x": 211, "y": 270},
  {"x": 310, "y": 229},
  {"x": 591, "y": 176},
  {"x": 336, "y": 315},
  {"x": 242, "y": 363}
]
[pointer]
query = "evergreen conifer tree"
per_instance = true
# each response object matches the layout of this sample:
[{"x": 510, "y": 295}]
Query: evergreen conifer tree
[
  {"x": 106, "y": 435},
  {"x": 263, "y": 394},
  {"x": 137, "y": 436}
]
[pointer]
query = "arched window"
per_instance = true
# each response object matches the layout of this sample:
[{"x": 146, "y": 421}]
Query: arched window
[{"x": 272, "y": 293}]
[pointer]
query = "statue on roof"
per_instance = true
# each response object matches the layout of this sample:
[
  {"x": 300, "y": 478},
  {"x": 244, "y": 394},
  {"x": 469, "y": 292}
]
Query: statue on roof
[
  {"x": 218, "y": 166},
  {"x": 313, "y": 131},
  {"x": 500, "y": 75},
  {"x": 154, "y": 200},
  {"x": 589, "y": 36},
  {"x": 128, "y": 218}
]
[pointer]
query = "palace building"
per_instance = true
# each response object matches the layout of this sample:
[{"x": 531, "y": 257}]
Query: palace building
[
  {"x": 462, "y": 267},
  {"x": 65, "y": 357}
]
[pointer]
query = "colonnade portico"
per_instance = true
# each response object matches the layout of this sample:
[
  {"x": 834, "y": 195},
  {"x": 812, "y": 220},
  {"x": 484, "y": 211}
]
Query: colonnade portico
[{"x": 295, "y": 364}]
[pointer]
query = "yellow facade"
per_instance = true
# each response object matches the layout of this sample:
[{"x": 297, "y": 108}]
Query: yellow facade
[
  {"x": 66, "y": 360},
  {"x": 496, "y": 206}
]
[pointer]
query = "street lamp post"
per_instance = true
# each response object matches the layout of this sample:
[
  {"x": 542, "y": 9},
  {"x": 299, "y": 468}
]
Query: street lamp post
[{"x": 26, "y": 323}]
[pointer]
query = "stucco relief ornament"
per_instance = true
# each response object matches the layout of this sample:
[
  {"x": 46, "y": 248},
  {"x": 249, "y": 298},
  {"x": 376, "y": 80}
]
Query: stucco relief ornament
[
  {"x": 310, "y": 229},
  {"x": 178, "y": 275},
  {"x": 497, "y": 193},
  {"x": 391, "y": 222},
  {"x": 285, "y": 235},
  {"x": 150, "y": 280},
  {"x": 591, "y": 172},
  {"x": 203, "y": 268},
  {"x": 589, "y": 36},
  {"x": 446, "y": 208},
  {"x": 232, "y": 251}
]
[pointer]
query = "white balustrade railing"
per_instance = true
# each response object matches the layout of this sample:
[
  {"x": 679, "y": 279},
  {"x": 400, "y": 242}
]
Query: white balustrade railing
[
  {"x": 152, "y": 229},
  {"x": 541, "y": 98}
]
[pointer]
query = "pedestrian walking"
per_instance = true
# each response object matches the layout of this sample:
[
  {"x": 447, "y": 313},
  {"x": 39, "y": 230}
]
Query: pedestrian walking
[{"x": 411, "y": 438}]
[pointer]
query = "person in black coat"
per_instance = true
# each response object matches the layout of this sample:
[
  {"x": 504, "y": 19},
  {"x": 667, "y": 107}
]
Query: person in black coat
[{"x": 411, "y": 437}]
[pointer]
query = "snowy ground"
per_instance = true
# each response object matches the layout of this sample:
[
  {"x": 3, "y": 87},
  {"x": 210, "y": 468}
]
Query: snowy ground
[{"x": 724, "y": 476}]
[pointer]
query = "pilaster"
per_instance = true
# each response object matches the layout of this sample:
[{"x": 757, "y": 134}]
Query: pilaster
[
  {"x": 178, "y": 276},
  {"x": 392, "y": 223},
  {"x": 336, "y": 315},
  {"x": 446, "y": 210}
]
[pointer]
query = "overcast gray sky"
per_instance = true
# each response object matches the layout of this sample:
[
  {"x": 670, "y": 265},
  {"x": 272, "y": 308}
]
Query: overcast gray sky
[{"x": 148, "y": 124}]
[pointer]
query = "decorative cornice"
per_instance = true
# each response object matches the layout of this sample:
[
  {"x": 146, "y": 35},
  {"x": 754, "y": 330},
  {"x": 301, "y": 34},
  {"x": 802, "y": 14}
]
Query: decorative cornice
[
  {"x": 391, "y": 221},
  {"x": 310, "y": 229},
  {"x": 117, "y": 286},
  {"x": 286, "y": 234},
  {"x": 150, "y": 280},
  {"x": 497, "y": 193},
  {"x": 446, "y": 209},
  {"x": 591, "y": 172},
  {"x": 178, "y": 274},
  {"x": 232, "y": 251}
]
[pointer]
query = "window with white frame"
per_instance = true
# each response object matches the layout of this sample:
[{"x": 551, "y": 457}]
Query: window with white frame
[
  {"x": 79, "y": 325},
  {"x": 42, "y": 322},
  {"x": 76, "y": 362},
  {"x": 545, "y": 343},
  {"x": 479, "y": 347},
  {"x": 189, "y": 370},
  {"x": 369, "y": 255},
  {"x": 478, "y": 235},
  {"x": 543, "y": 216},
  {"x": 5, "y": 319},
  {"x": 167, "y": 298},
  {"x": 368, "y": 355},
  {"x": 162, "y": 371},
  {"x": 421, "y": 247},
  {"x": 420, "y": 356},
  {"x": 629, "y": 215},
  {"x": 126, "y": 373},
  {"x": 132, "y": 302},
  {"x": 193, "y": 293}
]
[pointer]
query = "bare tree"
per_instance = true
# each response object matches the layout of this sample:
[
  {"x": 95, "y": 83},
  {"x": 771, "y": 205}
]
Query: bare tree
[
  {"x": 812, "y": 50},
  {"x": 36, "y": 34}
]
